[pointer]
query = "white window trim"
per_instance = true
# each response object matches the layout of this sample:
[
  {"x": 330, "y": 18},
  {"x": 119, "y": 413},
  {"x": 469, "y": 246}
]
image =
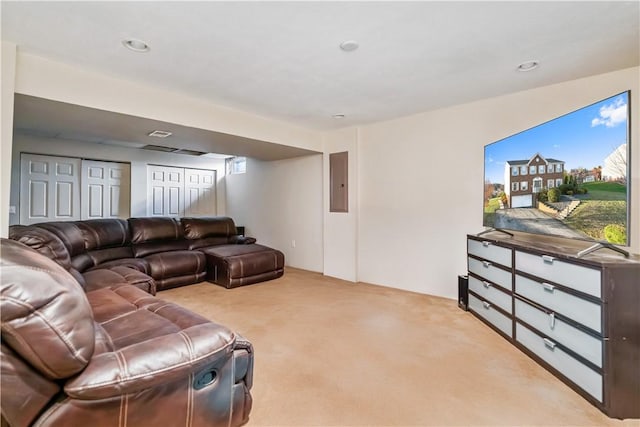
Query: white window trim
[{"x": 236, "y": 165}]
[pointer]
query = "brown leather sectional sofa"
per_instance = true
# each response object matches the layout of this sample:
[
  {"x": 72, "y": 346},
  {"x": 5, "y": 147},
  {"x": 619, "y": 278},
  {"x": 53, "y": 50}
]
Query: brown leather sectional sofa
[
  {"x": 153, "y": 253},
  {"x": 85, "y": 342}
]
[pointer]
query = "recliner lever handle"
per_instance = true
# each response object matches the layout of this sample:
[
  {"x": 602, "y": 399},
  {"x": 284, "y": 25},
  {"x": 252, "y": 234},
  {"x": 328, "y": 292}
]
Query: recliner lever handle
[{"x": 204, "y": 379}]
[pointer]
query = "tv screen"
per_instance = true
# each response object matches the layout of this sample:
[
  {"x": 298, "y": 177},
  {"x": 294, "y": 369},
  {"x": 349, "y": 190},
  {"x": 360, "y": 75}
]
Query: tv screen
[{"x": 568, "y": 177}]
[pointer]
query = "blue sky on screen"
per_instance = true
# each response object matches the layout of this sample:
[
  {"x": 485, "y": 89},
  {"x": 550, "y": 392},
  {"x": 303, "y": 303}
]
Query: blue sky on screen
[{"x": 583, "y": 138}]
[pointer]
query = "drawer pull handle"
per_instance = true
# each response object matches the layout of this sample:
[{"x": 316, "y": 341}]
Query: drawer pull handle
[
  {"x": 548, "y": 259},
  {"x": 549, "y": 344},
  {"x": 552, "y": 320},
  {"x": 486, "y": 264},
  {"x": 487, "y": 285},
  {"x": 548, "y": 287},
  {"x": 486, "y": 305},
  {"x": 486, "y": 244}
]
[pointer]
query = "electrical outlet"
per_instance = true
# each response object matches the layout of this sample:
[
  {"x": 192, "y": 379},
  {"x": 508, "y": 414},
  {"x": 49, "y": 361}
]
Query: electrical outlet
[
  {"x": 12, "y": 209},
  {"x": 293, "y": 243}
]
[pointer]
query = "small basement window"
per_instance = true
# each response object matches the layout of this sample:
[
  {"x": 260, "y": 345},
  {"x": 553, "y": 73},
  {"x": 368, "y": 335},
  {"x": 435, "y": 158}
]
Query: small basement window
[{"x": 235, "y": 165}]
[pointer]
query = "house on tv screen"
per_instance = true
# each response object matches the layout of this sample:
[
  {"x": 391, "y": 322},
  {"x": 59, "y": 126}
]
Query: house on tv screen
[{"x": 523, "y": 179}]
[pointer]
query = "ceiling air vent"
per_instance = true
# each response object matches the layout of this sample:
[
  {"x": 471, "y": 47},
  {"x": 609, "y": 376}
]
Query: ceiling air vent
[
  {"x": 189, "y": 152},
  {"x": 159, "y": 148},
  {"x": 160, "y": 133}
]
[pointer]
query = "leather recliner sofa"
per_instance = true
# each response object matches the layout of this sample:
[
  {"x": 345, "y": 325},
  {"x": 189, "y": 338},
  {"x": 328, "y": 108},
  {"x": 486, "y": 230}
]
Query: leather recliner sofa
[
  {"x": 151, "y": 253},
  {"x": 110, "y": 353},
  {"x": 85, "y": 342}
]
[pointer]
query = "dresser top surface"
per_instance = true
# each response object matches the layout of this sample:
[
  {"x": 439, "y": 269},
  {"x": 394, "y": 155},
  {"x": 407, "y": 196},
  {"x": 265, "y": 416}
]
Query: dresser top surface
[{"x": 559, "y": 247}]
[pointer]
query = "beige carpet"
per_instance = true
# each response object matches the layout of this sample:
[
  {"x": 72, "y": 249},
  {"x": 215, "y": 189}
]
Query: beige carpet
[{"x": 334, "y": 353}]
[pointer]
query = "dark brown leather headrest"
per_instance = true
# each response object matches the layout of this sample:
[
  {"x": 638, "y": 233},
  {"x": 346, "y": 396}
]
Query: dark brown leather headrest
[
  {"x": 46, "y": 317},
  {"x": 199, "y": 228},
  {"x": 145, "y": 230}
]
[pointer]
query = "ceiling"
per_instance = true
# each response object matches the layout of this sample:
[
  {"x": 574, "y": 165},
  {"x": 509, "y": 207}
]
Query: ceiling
[{"x": 282, "y": 59}]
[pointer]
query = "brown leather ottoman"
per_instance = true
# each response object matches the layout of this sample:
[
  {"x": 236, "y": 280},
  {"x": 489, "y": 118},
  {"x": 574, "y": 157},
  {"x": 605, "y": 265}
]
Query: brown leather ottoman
[{"x": 238, "y": 265}]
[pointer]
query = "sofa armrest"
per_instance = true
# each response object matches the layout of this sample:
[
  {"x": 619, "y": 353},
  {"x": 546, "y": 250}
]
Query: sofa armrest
[
  {"x": 157, "y": 361},
  {"x": 239, "y": 239}
]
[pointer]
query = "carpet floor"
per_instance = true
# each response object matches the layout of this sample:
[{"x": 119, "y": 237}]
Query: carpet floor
[{"x": 335, "y": 353}]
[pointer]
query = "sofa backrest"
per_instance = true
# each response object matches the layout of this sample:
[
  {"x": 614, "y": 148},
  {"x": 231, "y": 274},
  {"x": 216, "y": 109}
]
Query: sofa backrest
[
  {"x": 46, "y": 243},
  {"x": 43, "y": 241},
  {"x": 208, "y": 231},
  {"x": 46, "y": 318},
  {"x": 153, "y": 235},
  {"x": 71, "y": 236},
  {"x": 106, "y": 239}
]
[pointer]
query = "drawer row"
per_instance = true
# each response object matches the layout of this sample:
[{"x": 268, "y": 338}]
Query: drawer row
[
  {"x": 554, "y": 324},
  {"x": 574, "y": 353},
  {"x": 495, "y": 259}
]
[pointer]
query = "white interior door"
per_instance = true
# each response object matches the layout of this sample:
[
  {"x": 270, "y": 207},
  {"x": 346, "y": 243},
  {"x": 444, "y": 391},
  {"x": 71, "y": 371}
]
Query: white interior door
[
  {"x": 49, "y": 188},
  {"x": 106, "y": 190},
  {"x": 165, "y": 191},
  {"x": 200, "y": 192}
]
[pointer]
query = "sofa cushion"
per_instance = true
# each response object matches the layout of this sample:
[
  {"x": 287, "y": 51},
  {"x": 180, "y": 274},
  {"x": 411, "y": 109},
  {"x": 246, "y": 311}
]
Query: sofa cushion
[
  {"x": 69, "y": 233},
  {"x": 73, "y": 240},
  {"x": 153, "y": 235},
  {"x": 167, "y": 265},
  {"x": 136, "y": 278},
  {"x": 104, "y": 233},
  {"x": 111, "y": 303},
  {"x": 46, "y": 318},
  {"x": 106, "y": 239},
  {"x": 24, "y": 390},
  {"x": 43, "y": 241},
  {"x": 136, "y": 263},
  {"x": 146, "y": 249},
  {"x": 116, "y": 276},
  {"x": 145, "y": 230},
  {"x": 200, "y": 228}
]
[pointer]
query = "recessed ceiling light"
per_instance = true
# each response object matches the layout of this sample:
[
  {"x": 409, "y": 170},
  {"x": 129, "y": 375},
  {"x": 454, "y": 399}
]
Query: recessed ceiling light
[
  {"x": 528, "y": 66},
  {"x": 160, "y": 133},
  {"x": 338, "y": 116},
  {"x": 136, "y": 45},
  {"x": 349, "y": 45}
]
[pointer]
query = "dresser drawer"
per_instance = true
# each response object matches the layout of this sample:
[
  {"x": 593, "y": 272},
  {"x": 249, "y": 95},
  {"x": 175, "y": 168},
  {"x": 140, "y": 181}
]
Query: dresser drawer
[
  {"x": 575, "y": 308},
  {"x": 488, "y": 271},
  {"x": 571, "y": 337},
  {"x": 489, "y": 251},
  {"x": 578, "y": 277},
  {"x": 489, "y": 292},
  {"x": 583, "y": 376},
  {"x": 485, "y": 310}
]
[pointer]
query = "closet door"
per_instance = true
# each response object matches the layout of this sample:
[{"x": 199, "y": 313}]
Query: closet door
[
  {"x": 165, "y": 191},
  {"x": 49, "y": 188},
  {"x": 106, "y": 189},
  {"x": 200, "y": 192}
]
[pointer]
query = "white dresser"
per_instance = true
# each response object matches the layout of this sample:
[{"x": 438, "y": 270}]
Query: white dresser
[{"x": 577, "y": 317}]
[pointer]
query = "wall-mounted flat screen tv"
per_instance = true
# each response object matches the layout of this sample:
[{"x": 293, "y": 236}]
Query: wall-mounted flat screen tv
[{"x": 568, "y": 177}]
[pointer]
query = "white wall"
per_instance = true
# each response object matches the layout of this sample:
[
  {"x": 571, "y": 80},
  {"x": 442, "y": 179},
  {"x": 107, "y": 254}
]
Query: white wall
[
  {"x": 279, "y": 202},
  {"x": 420, "y": 179},
  {"x": 138, "y": 159},
  {"x": 6, "y": 135},
  {"x": 341, "y": 228}
]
